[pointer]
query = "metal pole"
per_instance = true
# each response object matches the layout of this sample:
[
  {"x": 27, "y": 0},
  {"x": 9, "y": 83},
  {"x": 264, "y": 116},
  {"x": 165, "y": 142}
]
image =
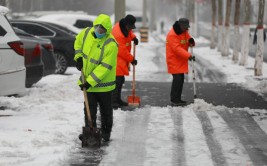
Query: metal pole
[
  {"x": 119, "y": 9},
  {"x": 144, "y": 13},
  {"x": 7, "y": 4},
  {"x": 196, "y": 19},
  {"x": 3, "y": 2},
  {"x": 152, "y": 17}
]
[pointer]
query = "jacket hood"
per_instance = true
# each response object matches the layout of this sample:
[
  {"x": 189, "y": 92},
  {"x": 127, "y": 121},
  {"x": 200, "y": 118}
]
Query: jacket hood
[
  {"x": 123, "y": 28},
  {"x": 105, "y": 21},
  {"x": 177, "y": 29}
]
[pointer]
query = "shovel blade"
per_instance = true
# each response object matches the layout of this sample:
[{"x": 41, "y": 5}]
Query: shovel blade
[
  {"x": 133, "y": 100},
  {"x": 91, "y": 137}
]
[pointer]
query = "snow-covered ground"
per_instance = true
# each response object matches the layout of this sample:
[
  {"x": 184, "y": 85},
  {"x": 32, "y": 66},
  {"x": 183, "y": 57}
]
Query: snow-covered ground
[{"x": 46, "y": 120}]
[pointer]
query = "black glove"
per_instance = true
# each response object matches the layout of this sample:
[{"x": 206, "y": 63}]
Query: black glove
[
  {"x": 191, "y": 42},
  {"x": 79, "y": 63},
  {"x": 192, "y": 58},
  {"x": 135, "y": 41},
  {"x": 85, "y": 85},
  {"x": 134, "y": 62}
]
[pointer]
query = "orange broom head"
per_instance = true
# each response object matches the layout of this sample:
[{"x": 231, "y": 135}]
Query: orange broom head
[{"x": 133, "y": 100}]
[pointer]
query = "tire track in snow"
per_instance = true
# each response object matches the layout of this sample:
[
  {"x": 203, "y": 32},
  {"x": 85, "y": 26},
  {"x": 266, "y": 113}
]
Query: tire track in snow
[
  {"x": 179, "y": 154},
  {"x": 160, "y": 144},
  {"x": 233, "y": 150},
  {"x": 215, "y": 148},
  {"x": 196, "y": 148},
  {"x": 249, "y": 133},
  {"x": 130, "y": 139}
]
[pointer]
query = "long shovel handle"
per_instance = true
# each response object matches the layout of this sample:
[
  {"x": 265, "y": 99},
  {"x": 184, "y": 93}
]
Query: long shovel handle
[
  {"x": 86, "y": 102},
  {"x": 133, "y": 86},
  {"x": 194, "y": 74}
]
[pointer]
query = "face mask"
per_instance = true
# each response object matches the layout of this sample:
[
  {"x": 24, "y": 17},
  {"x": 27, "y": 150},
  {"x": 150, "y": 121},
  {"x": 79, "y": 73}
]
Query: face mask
[
  {"x": 100, "y": 32},
  {"x": 99, "y": 36}
]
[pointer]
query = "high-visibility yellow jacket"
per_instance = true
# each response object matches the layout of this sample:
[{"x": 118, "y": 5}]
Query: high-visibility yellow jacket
[{"x": 99, "y": 56}]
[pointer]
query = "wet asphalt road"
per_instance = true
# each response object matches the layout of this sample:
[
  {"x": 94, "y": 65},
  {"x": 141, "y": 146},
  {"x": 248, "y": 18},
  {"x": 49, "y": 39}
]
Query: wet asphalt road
[{"x": 229, "y": 95}]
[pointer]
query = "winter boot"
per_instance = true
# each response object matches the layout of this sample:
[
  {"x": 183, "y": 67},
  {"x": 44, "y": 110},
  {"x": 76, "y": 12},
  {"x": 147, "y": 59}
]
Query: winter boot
[
  {"x": 123, "y": 103},
  {"x": 81, "y": 137},
  {"x": 115, "y": 105},
  {"x": 105, "y": 136},
  {"x": 179, "y": 103}
]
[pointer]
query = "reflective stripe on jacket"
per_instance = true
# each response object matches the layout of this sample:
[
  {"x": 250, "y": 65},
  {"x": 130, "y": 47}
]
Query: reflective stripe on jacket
[
  {"x": 124, "y": 55},
  {"x": 99, "y": 57},
  {"x": 177, "y": 54}
]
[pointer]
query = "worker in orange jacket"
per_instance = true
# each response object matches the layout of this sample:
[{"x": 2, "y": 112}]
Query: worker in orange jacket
[
  {"x": 122, "y": 32},
  {"x": 177, "y": 42}
]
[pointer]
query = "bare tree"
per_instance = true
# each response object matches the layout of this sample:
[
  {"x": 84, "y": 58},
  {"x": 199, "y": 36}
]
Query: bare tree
[
  {"x": 236, "y": 32},
  {"x": 226, "y": 43},
  {"x": 260, "y": 42},
  {"x": 245, "y": 33},
  {"x": 213, "y": 26},
  {"x": 220, "y": 24}
]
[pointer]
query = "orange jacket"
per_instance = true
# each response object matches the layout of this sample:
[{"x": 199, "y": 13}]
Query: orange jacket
[
  {"x": 177, "y": 54},
  {"x": 124, "y": 56}
]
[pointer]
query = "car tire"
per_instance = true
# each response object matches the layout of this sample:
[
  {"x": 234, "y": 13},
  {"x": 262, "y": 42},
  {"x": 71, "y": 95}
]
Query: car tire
[{"x": 61, "y": 63}]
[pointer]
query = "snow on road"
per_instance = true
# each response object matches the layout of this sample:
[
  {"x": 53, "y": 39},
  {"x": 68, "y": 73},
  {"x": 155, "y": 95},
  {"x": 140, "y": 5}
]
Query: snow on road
[
  {"x": 152, "y": 136},
  {"x": 46, "y": 120}
]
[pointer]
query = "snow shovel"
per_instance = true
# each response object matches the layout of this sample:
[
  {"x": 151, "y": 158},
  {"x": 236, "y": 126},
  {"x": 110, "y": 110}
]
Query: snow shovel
[
  {"x": 194, "y": 74},
  {"x": 133, "y": 100},
  {"x": 91, "y": 136}
]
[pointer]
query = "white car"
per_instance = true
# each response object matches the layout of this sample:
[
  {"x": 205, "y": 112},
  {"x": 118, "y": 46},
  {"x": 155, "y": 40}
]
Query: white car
[
  {"x": 80, "y": 21},
  {"x": 12, "y": 69}
]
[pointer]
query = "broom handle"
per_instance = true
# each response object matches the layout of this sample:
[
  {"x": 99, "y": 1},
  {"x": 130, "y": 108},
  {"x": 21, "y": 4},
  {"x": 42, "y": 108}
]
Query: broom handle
[
  {"x": 86, "y": 102},
  {"x": 194, "y": 74},
  {"x": 133, "y": 87}
]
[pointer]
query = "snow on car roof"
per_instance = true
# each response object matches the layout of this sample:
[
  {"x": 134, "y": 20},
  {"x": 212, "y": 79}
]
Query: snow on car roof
[
  {"x": 3, "y": 10},
  {"x": 71, "y": 18}
]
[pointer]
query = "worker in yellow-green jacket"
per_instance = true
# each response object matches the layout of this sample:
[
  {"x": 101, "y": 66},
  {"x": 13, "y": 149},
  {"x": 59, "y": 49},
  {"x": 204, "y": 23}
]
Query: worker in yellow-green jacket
[{"x": 96, "y": 55}]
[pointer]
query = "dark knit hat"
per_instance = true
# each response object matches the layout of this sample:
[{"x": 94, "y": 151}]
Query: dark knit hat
[
  {"x": 130, "y": 21},
  {"x": 184, "y": 22}
]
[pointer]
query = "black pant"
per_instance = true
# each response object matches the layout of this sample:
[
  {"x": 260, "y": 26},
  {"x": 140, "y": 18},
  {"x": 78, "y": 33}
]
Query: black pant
[
  {"x": 177, "y": 87},
  {"x": 116, "y": 95},
  {"x": 106, "y": 111}
]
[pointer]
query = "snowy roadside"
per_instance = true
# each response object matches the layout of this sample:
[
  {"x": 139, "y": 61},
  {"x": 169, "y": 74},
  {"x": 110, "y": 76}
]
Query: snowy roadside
[
  {"x": 242, "y": 75},
  {"x": 45, "y": 122}
]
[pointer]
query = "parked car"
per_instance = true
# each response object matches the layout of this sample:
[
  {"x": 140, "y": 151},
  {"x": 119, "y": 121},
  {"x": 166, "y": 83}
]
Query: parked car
[
  {"x": 72, "y": 30},
  {"x": 33, "y": 60},
  {"x": 12, "y": 69},
  {"x": 48, "y": 56},
  {"x": 80, "y": 21},
  {"x": 47, "y": 51},
  {"x": 62, "y": 41}
]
